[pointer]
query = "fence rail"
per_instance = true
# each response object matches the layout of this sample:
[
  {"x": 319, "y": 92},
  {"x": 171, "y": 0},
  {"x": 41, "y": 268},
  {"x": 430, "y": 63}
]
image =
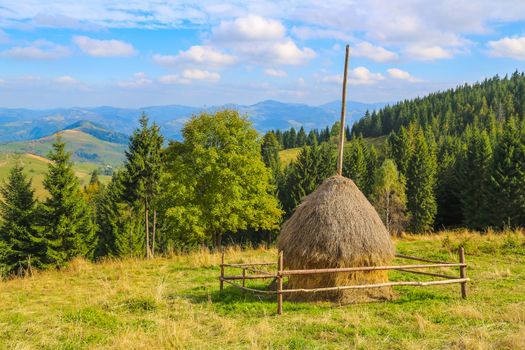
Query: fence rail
[{"x": 281, "y": 273}]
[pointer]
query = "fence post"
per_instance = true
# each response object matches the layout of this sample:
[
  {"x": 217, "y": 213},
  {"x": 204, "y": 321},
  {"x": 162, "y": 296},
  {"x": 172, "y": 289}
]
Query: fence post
[
  {"x": 222, "y": 270},
  {"x": 280, "y": 284},
  {"x": 244, "y": 278},
  {"x": 462, "y": 273}
]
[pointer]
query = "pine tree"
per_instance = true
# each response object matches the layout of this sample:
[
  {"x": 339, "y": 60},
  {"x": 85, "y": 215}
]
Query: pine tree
[
  {"x": 400, "y": 149},
  {"x": 143, "y": 169},
  {"x": 64, "y": 216},
  {"x": 270, "y": 154},
  {"x": 312, "y": 138},
  {"x": 118, "y": 228},
  {"x": 312, "y": 166},
  {"x": 473, "y": 177},
  {"x": 292, "y": 138},
  {"x": 421, "y": 181},
  {"x": 301, "y": 138},
  {"x": 372, "y": 160},
  {"x": 24, "y": 247},
  {"x": 508, "y": 177},
  {"x": 354, "y": 163}
]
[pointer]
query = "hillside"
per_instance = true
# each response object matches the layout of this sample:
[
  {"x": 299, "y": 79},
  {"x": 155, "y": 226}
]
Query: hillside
[
  {"x": 36, "y": 167},
  {"x": 174, "y": 303},
  {"x": 450, "y": 112},
  {"x": 98, "y": 131},
  {"x": 83, "y": 146}
]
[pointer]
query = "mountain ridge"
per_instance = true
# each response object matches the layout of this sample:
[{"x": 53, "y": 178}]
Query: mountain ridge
[{"x": 18, "y": 124}]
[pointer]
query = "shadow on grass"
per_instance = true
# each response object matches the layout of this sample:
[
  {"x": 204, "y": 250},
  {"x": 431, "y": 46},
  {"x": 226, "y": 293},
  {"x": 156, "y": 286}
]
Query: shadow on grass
[{"x": 234, "y": 301}]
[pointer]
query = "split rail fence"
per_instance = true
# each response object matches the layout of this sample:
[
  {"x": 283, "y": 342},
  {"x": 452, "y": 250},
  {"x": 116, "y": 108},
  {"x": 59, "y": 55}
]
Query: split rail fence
[{"x": 259, "y": 273}]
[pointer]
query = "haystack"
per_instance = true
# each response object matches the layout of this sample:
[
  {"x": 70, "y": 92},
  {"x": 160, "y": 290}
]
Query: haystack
[{"x": 336, "y": 226}]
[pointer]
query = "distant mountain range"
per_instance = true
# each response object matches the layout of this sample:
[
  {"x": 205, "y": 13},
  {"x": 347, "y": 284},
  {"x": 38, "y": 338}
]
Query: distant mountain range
[{"x": 27, "y": 124}]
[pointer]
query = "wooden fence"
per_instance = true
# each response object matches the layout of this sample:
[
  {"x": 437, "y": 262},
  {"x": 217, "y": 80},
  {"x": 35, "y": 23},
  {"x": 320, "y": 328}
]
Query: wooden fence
[{"x": 280, "y": 273}]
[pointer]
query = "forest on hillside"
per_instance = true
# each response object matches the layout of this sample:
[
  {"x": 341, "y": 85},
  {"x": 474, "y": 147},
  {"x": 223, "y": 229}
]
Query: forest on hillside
[{"x": 454, "y": 158}]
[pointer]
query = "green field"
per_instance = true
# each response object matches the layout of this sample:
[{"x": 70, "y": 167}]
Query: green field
[
  {"x": 174, "y": 302},
  {"x": 84, "y": 148},
  {"x": 36, "y": 167}
]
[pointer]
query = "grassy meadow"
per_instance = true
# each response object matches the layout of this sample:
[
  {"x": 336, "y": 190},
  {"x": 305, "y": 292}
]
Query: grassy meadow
[
  {"x": 36, "y": 168},
  {"x": 84, "y": 148},
  {"x": 174, "y": 302}
]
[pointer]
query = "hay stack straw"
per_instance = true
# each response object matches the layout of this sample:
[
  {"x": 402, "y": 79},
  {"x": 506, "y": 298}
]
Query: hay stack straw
[{"x": 336, "y": 226}]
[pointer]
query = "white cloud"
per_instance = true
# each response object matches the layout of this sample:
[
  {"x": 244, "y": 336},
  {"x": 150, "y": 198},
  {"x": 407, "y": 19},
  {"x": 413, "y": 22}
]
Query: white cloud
[
  {"x": 362, "y": 76},
  {"x": 2, "y": 82},
  {"x": 357, "y": 76},
  {"x": 508, "y": 47},
  {"x": 172, "y": 79},
  {"x": 198, "y": 74},
  {"x": 427, "y": 53},
  {"x": 259, "y": 40},
  {"x": 65, "y": 80},
  {"x": 275, "y": 72},
  {"x": 189, "y": 75},
  {"x": 38, "y": 50},
  {"x": 396, "y": 73},
  {"x": 104, "y": 48},
  {"x": 196, "y": 55},
  {"x": 139, "y": 80},
  {"x": 375, "y": 53},
  {"x": 249, "y": 28},
  {"x": 307, "y": 33}
]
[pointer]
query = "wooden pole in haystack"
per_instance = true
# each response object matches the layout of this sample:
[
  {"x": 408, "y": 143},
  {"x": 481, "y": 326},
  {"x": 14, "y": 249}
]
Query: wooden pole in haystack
[{"x": 343, "y": 113}]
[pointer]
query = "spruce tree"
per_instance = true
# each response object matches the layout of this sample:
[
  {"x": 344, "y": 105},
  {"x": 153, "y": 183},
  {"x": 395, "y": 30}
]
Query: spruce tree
[
  {"x": 312, "y": 138},
  {"x": 64, "y": 215},
  {"x": 24, "y": 247},
  {"x": 312, "y": 166},
  {"x": 355, "y": 165},
  {"x": 143, "y": 169},
  {"x": 118, "y": 228},
  {"x": 400, "y": 149},
  {"x": 270, "y": 154},
  {"x": 301, "y": 138},
  {"x": 292, "y": 138},
  {"x": 421, "y": 181},
  {"x": 473, "y": 179},
  {"x": 508, "y": 177},
  {"x": 372, "y": 160}
]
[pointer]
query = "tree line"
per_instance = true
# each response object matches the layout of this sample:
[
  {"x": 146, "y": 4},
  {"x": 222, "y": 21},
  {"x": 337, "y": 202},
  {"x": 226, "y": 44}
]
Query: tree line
[{"x": 292, "y": 138}]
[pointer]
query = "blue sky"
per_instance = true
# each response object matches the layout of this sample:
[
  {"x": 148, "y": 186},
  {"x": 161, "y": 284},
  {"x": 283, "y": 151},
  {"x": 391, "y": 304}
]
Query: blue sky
[{"x": 137, "y": 53}]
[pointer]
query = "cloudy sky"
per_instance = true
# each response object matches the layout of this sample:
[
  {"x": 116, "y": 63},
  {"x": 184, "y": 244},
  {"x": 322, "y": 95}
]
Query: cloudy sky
[{"x": 136, "y": 53}]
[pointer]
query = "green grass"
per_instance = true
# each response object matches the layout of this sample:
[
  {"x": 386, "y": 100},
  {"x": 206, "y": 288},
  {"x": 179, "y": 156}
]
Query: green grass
[
  {"x": 289, "y": 155},
  {"x": 84, "y": 147},
  {"x": 174, "y": 302},
  {"x": 36, "y": 168}
]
